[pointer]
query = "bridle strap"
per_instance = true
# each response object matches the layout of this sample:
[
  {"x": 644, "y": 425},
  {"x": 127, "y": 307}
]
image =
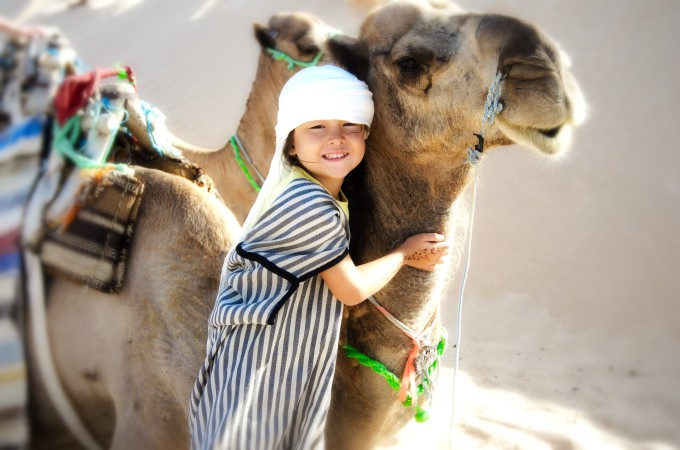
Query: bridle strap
[
  {"x": 238, "y": 148},
  {"x": 416, "y": 338}
]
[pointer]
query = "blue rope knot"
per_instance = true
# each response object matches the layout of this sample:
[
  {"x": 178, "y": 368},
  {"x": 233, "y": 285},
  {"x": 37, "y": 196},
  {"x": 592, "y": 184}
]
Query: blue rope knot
[
  {"x": 492, "y": 105},
  {"x": 475, "y": 153},
  {"x": 473, "y": 156}
]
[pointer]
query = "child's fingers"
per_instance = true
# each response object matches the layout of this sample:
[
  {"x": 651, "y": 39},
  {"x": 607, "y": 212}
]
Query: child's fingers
[
  {"x": 432, "y": 237},
  {"x": 435, "y": 237}
]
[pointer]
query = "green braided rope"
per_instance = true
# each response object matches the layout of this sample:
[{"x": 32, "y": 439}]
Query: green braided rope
[
  {"x": 64, "y": 142},
  {"x": 393, "y": 380},
  {"x": 239, "y": 160},
  {"x": 280, "y": 56},
  {"x": 374, "y": 365}
]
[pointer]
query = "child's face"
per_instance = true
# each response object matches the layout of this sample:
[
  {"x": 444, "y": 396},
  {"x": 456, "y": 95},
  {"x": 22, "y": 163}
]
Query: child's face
[{"x": 329, "y": 149}]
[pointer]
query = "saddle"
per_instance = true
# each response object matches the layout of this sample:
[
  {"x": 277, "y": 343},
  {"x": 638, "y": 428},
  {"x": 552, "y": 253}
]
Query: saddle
[
  {"x": 86, "y": 203},
  {"x": 91, "y": 245}
]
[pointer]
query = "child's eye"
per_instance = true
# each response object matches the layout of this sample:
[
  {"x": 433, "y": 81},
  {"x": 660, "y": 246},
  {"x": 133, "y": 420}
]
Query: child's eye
[
  {"x": 352, "y": 127},
  {"x": 317, "y": 127}
]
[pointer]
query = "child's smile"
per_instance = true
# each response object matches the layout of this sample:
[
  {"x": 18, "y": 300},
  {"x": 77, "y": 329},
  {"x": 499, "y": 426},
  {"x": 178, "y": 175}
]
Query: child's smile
[{"x": 333, "y": 156}]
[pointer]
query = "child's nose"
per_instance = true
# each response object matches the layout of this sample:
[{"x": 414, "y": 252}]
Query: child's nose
[{"x": 337, "y": 133}]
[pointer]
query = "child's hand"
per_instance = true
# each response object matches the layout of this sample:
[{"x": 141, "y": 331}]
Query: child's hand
[{"x": 424, "y": 251}]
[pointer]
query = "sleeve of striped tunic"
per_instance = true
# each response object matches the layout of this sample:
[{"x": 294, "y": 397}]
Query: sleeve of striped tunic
[{"x": 300, "y": 236}]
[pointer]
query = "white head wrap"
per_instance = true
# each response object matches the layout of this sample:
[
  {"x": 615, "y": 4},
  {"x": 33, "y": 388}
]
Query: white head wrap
[{"x": 314, "y": 93}]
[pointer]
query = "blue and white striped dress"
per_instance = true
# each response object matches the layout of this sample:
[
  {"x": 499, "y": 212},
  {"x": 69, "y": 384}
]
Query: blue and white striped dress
[{"x": 273, "y": 333}]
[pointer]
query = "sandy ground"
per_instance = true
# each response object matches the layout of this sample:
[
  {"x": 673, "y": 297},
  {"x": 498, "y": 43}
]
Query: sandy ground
[{"x": 570, "y": 325}]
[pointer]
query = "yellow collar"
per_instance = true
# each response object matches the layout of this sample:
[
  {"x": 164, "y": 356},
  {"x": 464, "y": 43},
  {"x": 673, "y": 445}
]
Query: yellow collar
[{"x": 299, "y": 172}]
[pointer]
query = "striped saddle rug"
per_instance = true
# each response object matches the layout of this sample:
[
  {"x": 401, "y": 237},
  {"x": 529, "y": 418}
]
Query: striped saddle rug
[{"x": 91, "y": 245}]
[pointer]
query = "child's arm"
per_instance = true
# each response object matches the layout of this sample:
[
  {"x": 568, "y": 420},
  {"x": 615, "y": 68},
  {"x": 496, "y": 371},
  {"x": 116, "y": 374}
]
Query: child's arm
[{"x": 353, "y": 284}]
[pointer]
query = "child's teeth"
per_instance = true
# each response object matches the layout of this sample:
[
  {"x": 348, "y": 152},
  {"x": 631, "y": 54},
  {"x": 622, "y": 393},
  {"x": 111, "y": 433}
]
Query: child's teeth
[{"x": 336, "y": 156}]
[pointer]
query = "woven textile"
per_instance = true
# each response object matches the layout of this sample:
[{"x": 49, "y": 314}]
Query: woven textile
[
  {"x": 20, "y": 147},
  {"x": 93, "y": 246}
]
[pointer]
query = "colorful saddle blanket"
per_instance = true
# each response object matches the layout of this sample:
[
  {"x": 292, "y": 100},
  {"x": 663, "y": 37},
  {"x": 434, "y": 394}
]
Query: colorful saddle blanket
[{"x": 92, "y": 243}]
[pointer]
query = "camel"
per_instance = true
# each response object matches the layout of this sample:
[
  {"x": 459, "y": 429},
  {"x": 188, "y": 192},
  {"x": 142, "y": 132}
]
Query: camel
[
  {"x": 429, "y": 66},
  {"x": 104, "y": 375}
]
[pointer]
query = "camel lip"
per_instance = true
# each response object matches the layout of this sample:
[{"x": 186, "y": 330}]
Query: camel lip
[{"x": 548, "y": 141}]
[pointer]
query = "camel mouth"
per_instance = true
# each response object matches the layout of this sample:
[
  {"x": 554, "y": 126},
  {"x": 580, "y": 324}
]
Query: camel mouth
[
  {"x": 547, "y": 141},
  {"x": 550, "y": 134}
]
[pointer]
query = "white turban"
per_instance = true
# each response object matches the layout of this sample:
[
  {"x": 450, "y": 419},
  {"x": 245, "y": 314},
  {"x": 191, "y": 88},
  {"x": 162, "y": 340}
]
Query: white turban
[{"x": 314, "y": 93}]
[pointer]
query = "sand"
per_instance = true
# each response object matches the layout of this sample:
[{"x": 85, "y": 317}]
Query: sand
[{"x": 570, "y": 323}]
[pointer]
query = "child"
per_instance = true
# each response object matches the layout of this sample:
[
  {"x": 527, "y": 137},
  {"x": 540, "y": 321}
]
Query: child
[{"x": 273, "y": 333}]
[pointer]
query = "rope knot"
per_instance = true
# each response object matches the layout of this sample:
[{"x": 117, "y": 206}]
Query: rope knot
[
  {"x": 473, "y": 156},
  {"x": 492, "y": 105}
]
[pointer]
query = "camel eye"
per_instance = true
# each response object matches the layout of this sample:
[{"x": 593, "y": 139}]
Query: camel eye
[
  {"x": 409, "y": 64},
  {"x": 308, "y": 50}
]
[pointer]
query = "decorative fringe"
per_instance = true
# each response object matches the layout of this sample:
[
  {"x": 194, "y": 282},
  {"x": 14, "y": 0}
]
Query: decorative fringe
[{"x": 426, "y": 386}]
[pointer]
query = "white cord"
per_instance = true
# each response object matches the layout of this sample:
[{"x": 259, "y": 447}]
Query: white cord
[
  {"x": 43, "y": 355},
  {"x": 491, "y": 108}
]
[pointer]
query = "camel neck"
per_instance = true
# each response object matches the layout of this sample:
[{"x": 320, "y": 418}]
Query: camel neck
[
  {"x": 256, "y": 134},
  {"x": 402, "y": 201},
  {"x": 406, "y": 200},
  {"x": 256, "y": 127}
]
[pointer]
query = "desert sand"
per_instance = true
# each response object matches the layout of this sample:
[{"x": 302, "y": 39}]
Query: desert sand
[{"x": 570, "y": 335}]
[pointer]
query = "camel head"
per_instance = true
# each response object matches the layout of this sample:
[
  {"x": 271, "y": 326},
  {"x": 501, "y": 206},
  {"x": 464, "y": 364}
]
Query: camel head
[
  {"x": 299, "y": 35},
  {"x": 430, "y": 65},
  {"x": 289, "y": 42}
]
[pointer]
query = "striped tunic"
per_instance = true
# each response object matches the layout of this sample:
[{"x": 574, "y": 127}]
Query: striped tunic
[{"x": 273, "y": 333}]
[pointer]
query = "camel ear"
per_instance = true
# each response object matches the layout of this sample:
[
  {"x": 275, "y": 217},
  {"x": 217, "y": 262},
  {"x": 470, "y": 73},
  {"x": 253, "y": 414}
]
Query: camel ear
[
  {"x": 350, "y": 54},
  {"x": 264, "y": 36}
]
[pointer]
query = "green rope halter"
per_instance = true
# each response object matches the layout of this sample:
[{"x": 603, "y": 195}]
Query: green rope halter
[
  {"x": 281, "y": 56},
  {"x": 242, "y": 164},
  {"x": 393, "y": 380},
  {"x": 292, "y": 62}
]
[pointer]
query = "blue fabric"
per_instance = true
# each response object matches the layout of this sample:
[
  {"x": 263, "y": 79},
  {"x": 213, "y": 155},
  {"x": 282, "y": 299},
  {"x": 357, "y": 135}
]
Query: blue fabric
[
  {"x": 28, "y": 129},
  {"x": 13, "y": 199},
  {"x": 9, "y": 262}
]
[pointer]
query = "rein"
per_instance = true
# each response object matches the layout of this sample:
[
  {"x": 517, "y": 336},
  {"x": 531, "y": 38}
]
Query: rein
[{"x": 491, "y": 108}]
